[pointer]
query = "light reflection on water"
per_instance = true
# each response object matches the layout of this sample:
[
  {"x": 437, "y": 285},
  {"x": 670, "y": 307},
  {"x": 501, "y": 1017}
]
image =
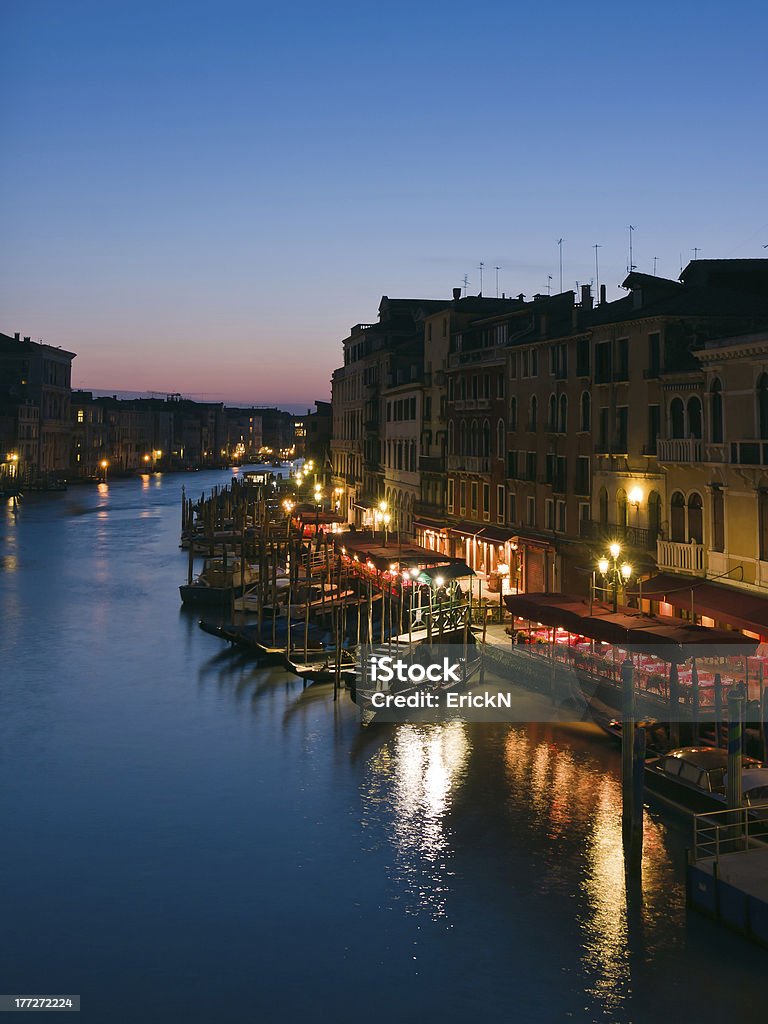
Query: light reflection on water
[{"x": 479, "y": 866}]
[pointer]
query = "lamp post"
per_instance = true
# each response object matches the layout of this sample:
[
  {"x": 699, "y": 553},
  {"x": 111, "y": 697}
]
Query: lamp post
[
  {"x": 318, "y": 506},
  {"x": 288, "y": 506},
  {"x": 383, "y": 517},
  {"x": 105, "y": 466},
  {"x": 614, "y": 574}
]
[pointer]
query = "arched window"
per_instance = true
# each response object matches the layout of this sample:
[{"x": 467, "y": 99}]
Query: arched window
[
  {"x": 501, "y": 439},
  {"x": 716, "y": 419},
  {"x": 677, "y": 518},
  {"x": 474, "y": 438},
  {"x": 533, "y": 410},
  {"x": 602, "y": 502},
  {"x": 552, "y": 417},
  {"x": 513, "y": 413},
  {"x": 695, "y": 518},
  {"x": 586, "y": 411},
  {"x": 677, "y": 418},
  {"x": 450, "y": 438},
  {"x": 694, "y": 417},
  {"x": 621, "y": 507},
  {"x": 562, "y": 425},
  {"x": 654, "y": 514},
  {"x": 486, "y": 439},
  {"x": 463, "y": 450},
  {"x": 762, "y": 406}
]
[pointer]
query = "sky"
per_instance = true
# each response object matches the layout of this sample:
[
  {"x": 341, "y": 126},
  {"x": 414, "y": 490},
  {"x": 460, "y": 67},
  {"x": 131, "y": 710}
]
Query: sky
[{"x": 203, "y": 197}]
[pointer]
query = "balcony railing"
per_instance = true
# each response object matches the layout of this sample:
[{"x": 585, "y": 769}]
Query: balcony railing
[
  {"x": 469, "y": 463},
  {"x": 432, "y": 464},
  {"x": 606, "y": 533},
  {"x": 672, "y": 554},
  {"x": 470, "y": 404},
  {"x": 749, "y": 453},
  {"x": 679, "y": 449}
]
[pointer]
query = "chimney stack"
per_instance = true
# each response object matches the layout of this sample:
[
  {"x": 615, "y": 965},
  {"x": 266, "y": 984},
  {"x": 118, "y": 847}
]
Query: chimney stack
[
  {"x": 27, "y": 339},
  {"x": 17, "y": 336},
  {"x": 456, "y": 294},
  {"x": 586, "y": 296},
  {"x": 602, "y": 294}
]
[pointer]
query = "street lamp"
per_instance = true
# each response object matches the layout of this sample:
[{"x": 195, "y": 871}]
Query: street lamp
[
  {"x": 615, "y": 575},
  {"x": 105, "y": 466}
]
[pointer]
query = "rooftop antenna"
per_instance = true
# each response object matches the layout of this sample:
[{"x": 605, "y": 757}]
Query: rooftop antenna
[
  {"x": 631, "y": 266},
  {"x": 480, "y": 268},
  {"x": 466, "y": 282},
  {"x": 655, "y": 258},
  {"x": 549, "y": 284},
  {"x": 497, "y": 281},
  {"x": 696, "y": 250},
  {"x": 597, "y": 246},
  {"x": 560, "y": 247}
]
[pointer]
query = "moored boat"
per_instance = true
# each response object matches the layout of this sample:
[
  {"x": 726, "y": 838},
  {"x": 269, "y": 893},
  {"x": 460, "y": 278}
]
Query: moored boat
[{"x": 694, "y": 778}]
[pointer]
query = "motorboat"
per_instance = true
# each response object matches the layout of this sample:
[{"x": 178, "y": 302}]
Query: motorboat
[
  {"x": 695, "y": 778},
  {"x": 218, "y": 583}
]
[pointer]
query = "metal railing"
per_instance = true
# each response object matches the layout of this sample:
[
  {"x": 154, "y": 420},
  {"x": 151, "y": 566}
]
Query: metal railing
[{"x": 739, "y": 830}]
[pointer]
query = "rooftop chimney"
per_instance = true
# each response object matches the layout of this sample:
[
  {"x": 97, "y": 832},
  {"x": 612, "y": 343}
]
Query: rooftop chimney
[
  {"x": 456, "y": 294},
  {"x": 602, "y": 294},
  {"x": 521, "y": 297},
  {"x": 27, "y": 339},
  {"x": 586, "y": 296},
  {"x": 17, "y": 336}
]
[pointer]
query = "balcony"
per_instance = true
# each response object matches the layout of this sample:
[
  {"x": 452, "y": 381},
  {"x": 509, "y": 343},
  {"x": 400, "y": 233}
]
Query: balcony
[
  {"x": 672, "y": 554},
  {"x": 479, "y": 355},
  {"x": 679, "y": 449},
  {"x": 749, "y": 453},
  {"x": 471, "y": 404},
  {"x": 431, "y": 464},
  {"x": 606, "y": 533},
  {"x": 469, "y": 464}
]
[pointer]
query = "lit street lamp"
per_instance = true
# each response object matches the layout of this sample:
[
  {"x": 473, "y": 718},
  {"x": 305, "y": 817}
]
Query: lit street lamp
[
  {"x": 105, "y": 466},
  {"x": 613, "y": 574}
]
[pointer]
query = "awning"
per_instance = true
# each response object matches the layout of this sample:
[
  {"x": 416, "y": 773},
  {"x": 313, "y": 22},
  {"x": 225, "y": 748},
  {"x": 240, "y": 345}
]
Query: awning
[
  {"x": 466, "y": 528},
  {"x": 428, "y": 523},
  {"x": 662, "y": 636},
  {"x": 453, "y": 571},
  {"x": 737, "y": 608},
  {"x": 497, "y": 534}
]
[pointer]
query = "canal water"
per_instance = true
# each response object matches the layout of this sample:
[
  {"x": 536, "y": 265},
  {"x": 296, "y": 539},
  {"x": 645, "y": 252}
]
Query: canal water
[{"x": 188, "y": 838}]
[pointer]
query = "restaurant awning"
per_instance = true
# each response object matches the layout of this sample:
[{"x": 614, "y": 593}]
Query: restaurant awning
[
  {"x": 428, "y": 523},
  {"x": 738, "y": 608},
  {"x": 466, "y": 529},
  {"x": 452, "y": 571},
  {"x": 484, "y": 531},
  {"x": 661, "y": 636}
]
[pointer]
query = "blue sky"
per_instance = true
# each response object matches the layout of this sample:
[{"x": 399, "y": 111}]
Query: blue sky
[{"x": 203, "y": 197}]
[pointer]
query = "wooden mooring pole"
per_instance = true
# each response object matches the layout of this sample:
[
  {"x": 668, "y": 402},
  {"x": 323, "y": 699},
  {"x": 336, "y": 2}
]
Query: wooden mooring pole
[{"x": 632, "y": 768}]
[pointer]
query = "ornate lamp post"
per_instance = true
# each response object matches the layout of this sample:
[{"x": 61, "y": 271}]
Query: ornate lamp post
[{"x": 613, "y": 574}]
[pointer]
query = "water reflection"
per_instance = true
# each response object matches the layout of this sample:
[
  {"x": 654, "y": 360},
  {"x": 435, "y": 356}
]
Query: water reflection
[{"x": 418, "y": 772}]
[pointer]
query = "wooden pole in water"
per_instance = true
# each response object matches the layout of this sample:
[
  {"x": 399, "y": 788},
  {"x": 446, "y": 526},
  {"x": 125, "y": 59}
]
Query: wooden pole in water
[
  {"x": 635, "y": 846},
  {"x": 288, "y": 608},
  {"x": 735, "y": 739},
  {"x": 674, "y": 706},
  {"x": 695, "y": 701},
  {"x": 191, "y": 560},
  {"x": 764, "y": 719},
  {"x": 273, "y": 558},
  {"x": 718, "y": 709},
  {"x": 306, "y": 604},
  {"x": 627, "y": 751}
]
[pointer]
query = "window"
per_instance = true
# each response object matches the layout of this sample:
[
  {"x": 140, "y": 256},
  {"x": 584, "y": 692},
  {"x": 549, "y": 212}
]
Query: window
[
  {"x": 584, "y": 518},
  {"x": 695, "y": 518},
  {"x": 512, "y": 508},
  {"x": 501, "y": 439},
  {"x": 762, "y": 407},
  {"x": 694, "y": 417},
  {"x": 486, "y": 502},
  {"x": 552, "y": 417},
  {"x": 450, "y": 437},
  {"x": 513, "y": 414},
  {"x": 486, "y": 385},
  {"x": 654, "y": 354},
  {"x": 622, "y": 420},
  {"x": 534, "y": 362},
  {"x": 473, "y": 493},
  {"x": 533, "y": 413},
  {"x": 718, "y": 520},
  {"x": 716, "y": 419},
  {"x": 582, "y": 475},
  {"x": 560, "y": 526},
  {"x": 553, "y": 359},
  {"x": 463, "y": 496},
  {"x": 530, "y": 510},
  {"x": 500, "y": 503},
  {"x": 586, "y": 411},
  {"x": 549, "y": 514},
  {"x": 654, "y": 514},
  {"x": 500, "y": 385},
  {"x": 450, "y": 494},
  {"x": 654, "y": 426},
  {"x": 80, "y": 416},
  {"x": 603, "y": 443},
  {"x": 622, "y": 359},
  {"x": 512, "y": 465},
  {"x": 677, "y": 518},
  {"x": 513, "y": 364},
  {"x": 762, "y": 513},
  {"x": 582, "y": 357},
  {"x": 562, "y": 424},
  {"x": 677, "y": 418},
  {"x": 621, "y": 507},
  {"x": 530, "y": 466},
  {"x": 602, "y": 505},
  {"x": 525, "y": 363},
  {"x": 603, "y": 363}
]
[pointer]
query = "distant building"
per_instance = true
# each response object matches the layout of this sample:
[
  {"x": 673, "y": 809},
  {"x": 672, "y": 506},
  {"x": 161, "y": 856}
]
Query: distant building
[
  {"x": 243, "y": 435},
  {"x": 35, "y": 391}
]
